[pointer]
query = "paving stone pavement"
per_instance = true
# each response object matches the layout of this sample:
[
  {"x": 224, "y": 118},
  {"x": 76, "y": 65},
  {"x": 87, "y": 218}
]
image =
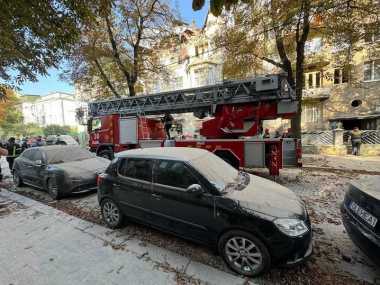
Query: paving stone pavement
[{"x": 42, "y": 245}]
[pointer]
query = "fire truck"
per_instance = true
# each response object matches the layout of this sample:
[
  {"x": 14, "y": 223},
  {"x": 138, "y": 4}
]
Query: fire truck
[{"x": 232, "y": 113}]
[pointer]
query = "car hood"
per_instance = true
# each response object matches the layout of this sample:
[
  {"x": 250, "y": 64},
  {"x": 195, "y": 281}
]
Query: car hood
[
  {"x": 269, "y": 198},
  {"x": 84, "y": 168}
]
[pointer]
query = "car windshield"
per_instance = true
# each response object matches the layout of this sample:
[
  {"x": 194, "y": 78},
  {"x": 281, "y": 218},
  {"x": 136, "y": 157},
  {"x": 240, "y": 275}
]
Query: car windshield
[
  {"x": 66, "y": 154},
  {"x": 219, "y": 172}
]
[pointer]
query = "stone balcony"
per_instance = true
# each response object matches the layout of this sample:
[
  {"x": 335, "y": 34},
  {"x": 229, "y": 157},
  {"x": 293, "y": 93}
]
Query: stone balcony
[{"x": 321, "y": 93}]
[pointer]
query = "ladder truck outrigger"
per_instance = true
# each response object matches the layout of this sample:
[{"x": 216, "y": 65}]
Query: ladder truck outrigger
[{"x": 235, "y": 108}]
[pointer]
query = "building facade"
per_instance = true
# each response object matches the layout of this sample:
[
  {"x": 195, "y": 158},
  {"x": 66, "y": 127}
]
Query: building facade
[{"x": 57, "y": 108}]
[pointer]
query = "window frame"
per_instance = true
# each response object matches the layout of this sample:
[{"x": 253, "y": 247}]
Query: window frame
[{"x": 372, "y": 70}]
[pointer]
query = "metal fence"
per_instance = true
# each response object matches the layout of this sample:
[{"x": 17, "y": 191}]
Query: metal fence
[
  {"x": 318, "y": 138},
  {"x": 327, "y": 137}
]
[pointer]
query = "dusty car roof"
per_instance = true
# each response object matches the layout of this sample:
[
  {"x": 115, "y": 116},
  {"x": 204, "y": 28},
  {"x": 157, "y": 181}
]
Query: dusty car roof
[
  {"x": 182, "y": 153},
  {"x": 56, "y": 147}
]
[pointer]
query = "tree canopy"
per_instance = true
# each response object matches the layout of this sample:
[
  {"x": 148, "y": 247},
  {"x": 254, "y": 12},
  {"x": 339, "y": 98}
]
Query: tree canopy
[
  {"x": 35, "y": 35},
  {"x": 118, "y": 46}
]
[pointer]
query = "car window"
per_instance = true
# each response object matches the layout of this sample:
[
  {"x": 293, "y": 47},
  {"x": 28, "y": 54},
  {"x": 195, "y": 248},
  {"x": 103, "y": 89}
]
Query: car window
[
  {"x": 173, "y": 173},
  {"x": 28, "y": 154},
  {"x": 36, "y": 155},
  {"x": 137, "y": 168}
]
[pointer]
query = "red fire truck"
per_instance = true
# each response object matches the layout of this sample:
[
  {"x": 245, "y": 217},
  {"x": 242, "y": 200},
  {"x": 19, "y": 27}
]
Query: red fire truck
[{"x": 233, "y": 112}]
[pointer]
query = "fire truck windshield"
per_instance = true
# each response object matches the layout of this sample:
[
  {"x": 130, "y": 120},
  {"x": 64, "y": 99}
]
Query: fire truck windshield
[{"x": 216, "y": 170}]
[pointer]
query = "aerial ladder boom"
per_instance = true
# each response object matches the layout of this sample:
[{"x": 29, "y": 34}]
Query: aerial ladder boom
[{"x": 264, "y": 88}]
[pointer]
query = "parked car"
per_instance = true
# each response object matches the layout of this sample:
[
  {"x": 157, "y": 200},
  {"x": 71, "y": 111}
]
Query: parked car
[
  {"x": 361, "y": 215},
  {"x": 60, "y": 170},
  {"x": 61, "y": 139},
  {"x": 251, "y": 221}
]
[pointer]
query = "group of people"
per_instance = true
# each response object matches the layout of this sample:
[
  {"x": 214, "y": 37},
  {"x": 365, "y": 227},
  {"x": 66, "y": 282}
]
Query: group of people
[
  {"x": 13, "y": 148},
  {"x": 265, "y": 134}
]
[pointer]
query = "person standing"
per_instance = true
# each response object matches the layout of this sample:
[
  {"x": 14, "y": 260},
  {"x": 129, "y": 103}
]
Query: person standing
[
  {"x": 356, "y": 140},
  {"x": 168, "y": 122},
  {"x": 13, "y": 151},
  {"x": 266, "y": 134},
  {"x": 3, "y": 152}
]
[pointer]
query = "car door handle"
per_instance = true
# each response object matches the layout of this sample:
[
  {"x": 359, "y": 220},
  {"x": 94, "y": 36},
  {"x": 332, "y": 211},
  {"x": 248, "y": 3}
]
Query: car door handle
[{"x": 156, "y": 196}]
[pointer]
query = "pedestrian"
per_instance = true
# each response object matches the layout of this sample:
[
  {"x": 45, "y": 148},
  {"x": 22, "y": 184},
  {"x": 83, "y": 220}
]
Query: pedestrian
[
  {"x": 13, "y": 151},
  {"x": 39, "y": 141},
  {"x": 356, "y": 140},
  {"x": 266, "y": 134},
  {"x": 168, "y": 122},
  {"x": 277, "y": 135},
  {"x": 3, "y": 152},
  {"x": 24, "y": 144}
]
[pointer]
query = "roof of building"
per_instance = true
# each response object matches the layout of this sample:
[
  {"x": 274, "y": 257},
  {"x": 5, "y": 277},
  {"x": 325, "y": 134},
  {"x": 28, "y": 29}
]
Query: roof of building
[
  {"x": 180, "y": 153},
  {"x": 30, "y": 97}
]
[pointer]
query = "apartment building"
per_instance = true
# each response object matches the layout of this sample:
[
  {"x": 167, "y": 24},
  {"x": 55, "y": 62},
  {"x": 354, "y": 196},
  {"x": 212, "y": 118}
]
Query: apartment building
[{"x": 55, "y": 108}]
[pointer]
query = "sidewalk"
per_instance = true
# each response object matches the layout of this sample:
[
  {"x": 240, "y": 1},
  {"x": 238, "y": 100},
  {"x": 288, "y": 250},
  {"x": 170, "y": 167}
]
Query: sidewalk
[
  {"x": 41, "y": 245},
  {"x": 363, "y": 164}
]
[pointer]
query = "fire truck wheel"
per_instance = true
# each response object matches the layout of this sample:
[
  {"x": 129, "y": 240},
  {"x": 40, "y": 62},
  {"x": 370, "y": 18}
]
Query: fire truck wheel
[{"x": 106, "y": 154}]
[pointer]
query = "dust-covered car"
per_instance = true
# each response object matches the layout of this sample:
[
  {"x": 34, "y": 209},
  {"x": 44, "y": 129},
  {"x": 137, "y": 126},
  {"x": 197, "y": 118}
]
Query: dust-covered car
[
  {"x": 252, "y": 222},
  {"x": 361, "y": 215},
  {"x": 59, "y": 169},
  {"x": 61, "y": 140}
]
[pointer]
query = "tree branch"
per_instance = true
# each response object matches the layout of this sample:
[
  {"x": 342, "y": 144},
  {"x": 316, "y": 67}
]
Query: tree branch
[
  {"x": 105, "y": 78},
  {"x": 115, "y": 51}
]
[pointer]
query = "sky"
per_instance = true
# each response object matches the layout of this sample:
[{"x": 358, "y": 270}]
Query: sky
[{"x": 52, "y": 83}]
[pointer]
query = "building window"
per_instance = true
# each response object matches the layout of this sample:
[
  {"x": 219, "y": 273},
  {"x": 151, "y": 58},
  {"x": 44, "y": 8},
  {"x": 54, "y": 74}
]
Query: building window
[
  {"x": 313, "y": 79},
  {"x": 311, "y": 113},
  {"x": 178, "y": 83},
  {"x": 372, "y": 70},
  {"x": 340, "y": 75}
]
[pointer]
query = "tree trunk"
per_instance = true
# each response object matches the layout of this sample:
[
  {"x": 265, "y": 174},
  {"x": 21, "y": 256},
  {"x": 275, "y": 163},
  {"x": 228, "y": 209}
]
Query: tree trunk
[
  {"x": 300, "y": 59},
  {"x": 131, "y": 88},
  {"x": 105, "y": 79}
]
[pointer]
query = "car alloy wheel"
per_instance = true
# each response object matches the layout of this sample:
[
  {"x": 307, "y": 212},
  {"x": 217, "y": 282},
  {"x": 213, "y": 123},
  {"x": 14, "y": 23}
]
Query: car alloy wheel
[
  {"x": 111, "y": 214},
  {"x": 244, "y": 253},
  {"x": 53, "y": 188},
  {"x": 16, "y": 179}
]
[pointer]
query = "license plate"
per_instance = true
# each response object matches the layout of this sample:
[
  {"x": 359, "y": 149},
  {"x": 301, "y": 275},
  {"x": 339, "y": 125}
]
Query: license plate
[{"x": 367, "y": 217}]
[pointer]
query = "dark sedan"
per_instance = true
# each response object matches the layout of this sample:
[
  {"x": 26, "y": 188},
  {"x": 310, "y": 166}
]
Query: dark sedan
[
  {"x": 60, "y": 170},
  {"x": 361, "y": 215},
  {"x": 253, "y": 222}
]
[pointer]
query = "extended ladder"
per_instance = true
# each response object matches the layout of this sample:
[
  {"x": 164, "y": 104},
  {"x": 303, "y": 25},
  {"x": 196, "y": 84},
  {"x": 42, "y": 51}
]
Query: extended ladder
[{"x": 264, "y": 88}]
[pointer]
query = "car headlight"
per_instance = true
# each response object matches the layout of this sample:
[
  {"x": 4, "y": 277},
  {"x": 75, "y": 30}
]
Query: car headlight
[{"x": 291, "y": 227}]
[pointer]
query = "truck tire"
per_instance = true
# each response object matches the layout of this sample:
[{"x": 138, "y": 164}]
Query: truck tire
[{"x": 106, "y": 154}]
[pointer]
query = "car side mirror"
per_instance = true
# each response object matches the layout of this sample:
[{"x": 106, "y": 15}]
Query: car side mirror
[
  {"x": 195, "y": 189},
  {"x": 38, "y": 163}
]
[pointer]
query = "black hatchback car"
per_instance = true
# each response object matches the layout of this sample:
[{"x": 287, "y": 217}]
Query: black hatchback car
[
  {"x": 252, "y": 222},
  {"x": 361, "y": 215}
]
